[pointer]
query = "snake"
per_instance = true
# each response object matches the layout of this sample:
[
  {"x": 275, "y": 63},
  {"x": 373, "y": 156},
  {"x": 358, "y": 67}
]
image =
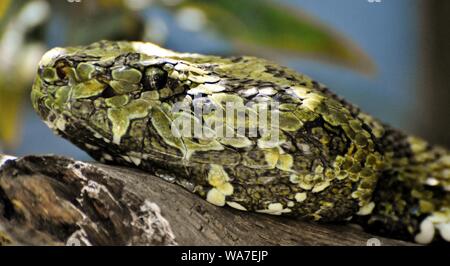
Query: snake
[{"x": 299, "y": 150}]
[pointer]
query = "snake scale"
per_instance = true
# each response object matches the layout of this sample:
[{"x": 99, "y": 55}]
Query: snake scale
[{"x": 328, "y": 161}]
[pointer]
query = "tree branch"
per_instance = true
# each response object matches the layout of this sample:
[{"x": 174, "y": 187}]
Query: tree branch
[{"x": 49, "y": 200}]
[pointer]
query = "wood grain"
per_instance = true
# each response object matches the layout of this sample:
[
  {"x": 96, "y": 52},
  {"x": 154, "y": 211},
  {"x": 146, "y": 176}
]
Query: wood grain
[{"x": 50, "y": 200}]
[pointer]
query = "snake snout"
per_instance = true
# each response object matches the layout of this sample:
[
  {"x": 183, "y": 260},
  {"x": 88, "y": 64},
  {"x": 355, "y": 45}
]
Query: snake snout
[{"x": 50, "y": 81}]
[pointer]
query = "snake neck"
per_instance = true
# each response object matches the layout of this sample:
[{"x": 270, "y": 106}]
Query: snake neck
[{"x": 412, "y": 196}]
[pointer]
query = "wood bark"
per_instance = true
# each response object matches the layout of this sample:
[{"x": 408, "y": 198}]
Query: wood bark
[{"x": 51, "y": 200}]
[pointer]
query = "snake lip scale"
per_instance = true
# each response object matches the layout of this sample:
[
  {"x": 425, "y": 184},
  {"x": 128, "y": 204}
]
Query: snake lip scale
[{"x": 324, "y": 159}]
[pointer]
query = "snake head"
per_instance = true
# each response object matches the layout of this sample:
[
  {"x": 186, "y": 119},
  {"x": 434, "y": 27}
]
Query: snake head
[
  {"x": 98, "y": 89},
  {"x": 101, "y": 70},
  {"x": 102, "y": 91}
]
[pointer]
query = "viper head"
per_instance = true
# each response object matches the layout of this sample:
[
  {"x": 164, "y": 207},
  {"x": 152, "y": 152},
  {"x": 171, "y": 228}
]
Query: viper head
[{"x": 99, "y": 93}]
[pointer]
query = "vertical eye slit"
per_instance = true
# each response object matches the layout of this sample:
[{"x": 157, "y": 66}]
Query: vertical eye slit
[{"x": 155, "y": 78}]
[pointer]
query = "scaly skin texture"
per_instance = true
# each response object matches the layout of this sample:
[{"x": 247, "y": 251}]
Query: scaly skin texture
[{"x": 331, "y": 162}]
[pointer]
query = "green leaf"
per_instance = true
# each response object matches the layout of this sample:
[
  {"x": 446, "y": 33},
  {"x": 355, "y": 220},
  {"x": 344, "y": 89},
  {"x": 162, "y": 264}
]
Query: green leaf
[
  {"x": 264, "y": 27},
  {"x": 11, "y": 102},
  {"x": 6, "y": 10},
  {"x": 4, "y": 4}
]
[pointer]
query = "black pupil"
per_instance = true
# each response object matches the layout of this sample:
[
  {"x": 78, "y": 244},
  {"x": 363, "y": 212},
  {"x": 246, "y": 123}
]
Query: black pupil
[
  {"x": 157, "y": 78},
  {"x": 159, "y": 81}
]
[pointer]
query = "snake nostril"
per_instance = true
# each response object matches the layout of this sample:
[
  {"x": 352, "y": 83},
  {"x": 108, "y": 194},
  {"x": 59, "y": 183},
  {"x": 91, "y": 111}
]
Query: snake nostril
[
  {"x": 48, "y": 74},
  {"x": 60, "y": 67}
]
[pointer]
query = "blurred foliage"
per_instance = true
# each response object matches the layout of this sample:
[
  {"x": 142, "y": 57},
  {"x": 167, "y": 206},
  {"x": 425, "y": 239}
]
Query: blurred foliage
[
  {"x": 18, "y": 58},
  {"x": 3, "y": 7},
  {"x": 263, "y": 27},
  {"x": 256, "y": 27}
]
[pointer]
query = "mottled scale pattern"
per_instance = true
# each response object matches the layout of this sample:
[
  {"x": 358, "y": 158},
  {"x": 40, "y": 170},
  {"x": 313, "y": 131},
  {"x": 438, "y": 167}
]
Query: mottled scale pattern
[{"x": 331, "y": 162}]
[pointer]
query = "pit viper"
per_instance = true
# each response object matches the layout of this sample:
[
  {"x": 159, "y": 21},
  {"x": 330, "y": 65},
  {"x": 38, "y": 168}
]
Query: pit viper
[{"x": 324, "y": 159}]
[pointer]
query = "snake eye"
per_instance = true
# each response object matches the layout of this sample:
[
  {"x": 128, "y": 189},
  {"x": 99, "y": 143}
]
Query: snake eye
[{"x": 156, "y": 78}]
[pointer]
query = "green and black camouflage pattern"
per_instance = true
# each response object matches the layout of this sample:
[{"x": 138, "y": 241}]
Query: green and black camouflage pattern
[{"x": 331, "y": 162}]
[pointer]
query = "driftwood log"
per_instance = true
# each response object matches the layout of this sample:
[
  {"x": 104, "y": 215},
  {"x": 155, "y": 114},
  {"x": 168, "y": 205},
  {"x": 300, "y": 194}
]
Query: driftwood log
[{"x": 50, "y": 200}]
